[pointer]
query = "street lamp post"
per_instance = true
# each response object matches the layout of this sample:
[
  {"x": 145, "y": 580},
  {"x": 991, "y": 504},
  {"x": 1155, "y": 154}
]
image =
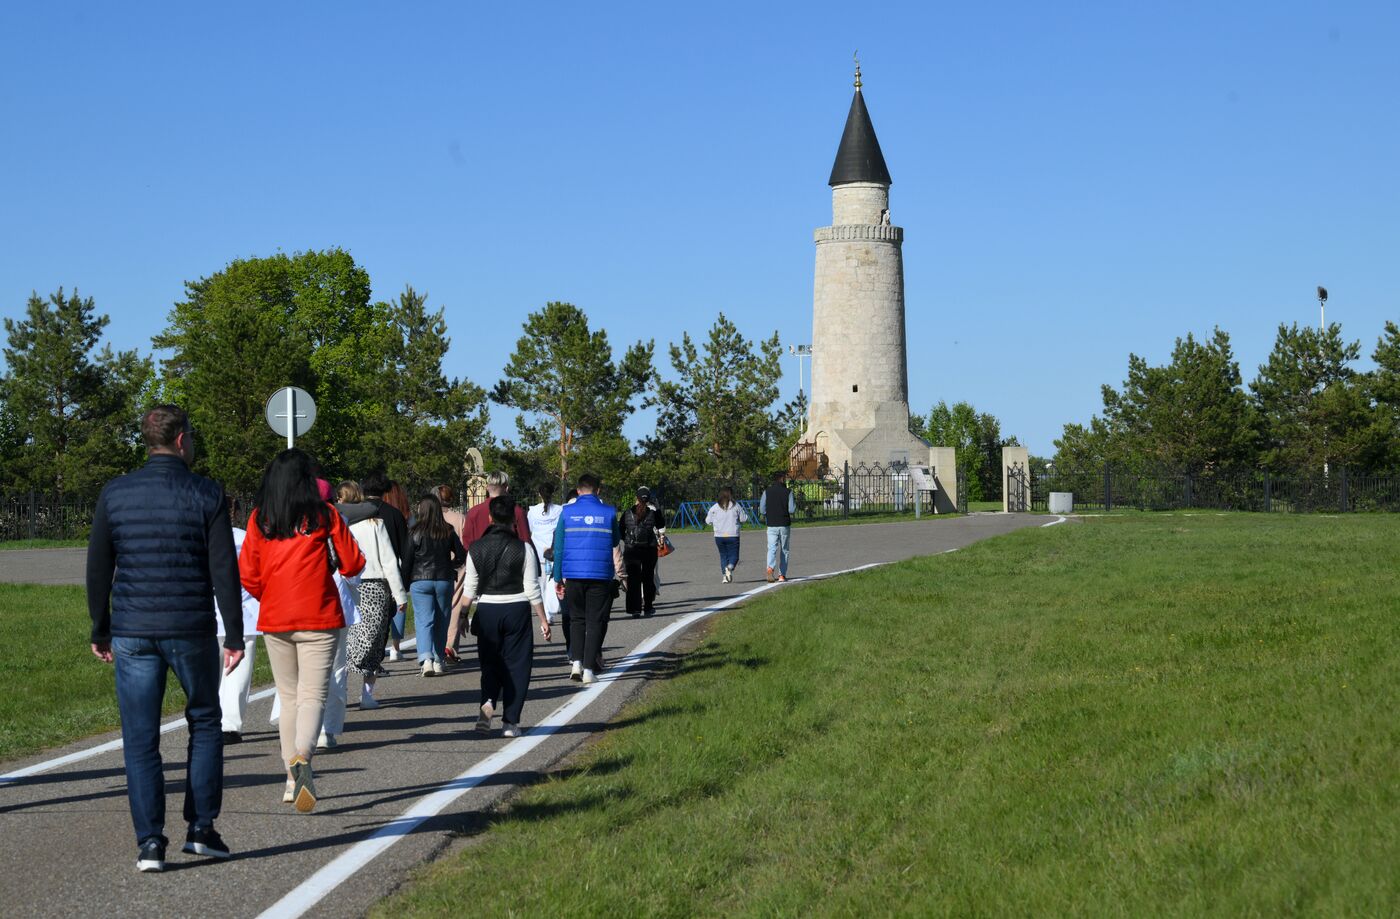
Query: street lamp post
[
  {"x": 800, "y": 352},
  {"x": 1321, "y": 308}
]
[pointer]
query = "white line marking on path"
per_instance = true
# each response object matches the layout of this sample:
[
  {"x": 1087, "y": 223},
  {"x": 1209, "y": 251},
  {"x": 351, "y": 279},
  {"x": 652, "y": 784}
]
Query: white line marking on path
[
  {"x": 1052, "y": 523},
  {"x": 315, "y": 888},
  {"x": 109, "y": 746}
]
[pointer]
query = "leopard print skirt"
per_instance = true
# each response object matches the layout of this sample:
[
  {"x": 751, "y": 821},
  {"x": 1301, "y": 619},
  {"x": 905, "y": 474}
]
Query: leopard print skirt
[{"x": 364, "y": 647}]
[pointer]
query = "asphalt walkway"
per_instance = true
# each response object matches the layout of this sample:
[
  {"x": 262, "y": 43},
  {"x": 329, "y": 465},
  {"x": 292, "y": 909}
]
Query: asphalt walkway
[{"x": 406, "y": 776}]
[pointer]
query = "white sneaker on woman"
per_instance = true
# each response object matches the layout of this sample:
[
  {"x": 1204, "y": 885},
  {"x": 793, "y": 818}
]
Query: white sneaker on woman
[
  {"x": 588, "y": 677},
  {"x": 438, "y": 669}
]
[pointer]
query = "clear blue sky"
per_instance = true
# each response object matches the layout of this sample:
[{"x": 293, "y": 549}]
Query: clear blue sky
[{"x": 1074, "y": 184}]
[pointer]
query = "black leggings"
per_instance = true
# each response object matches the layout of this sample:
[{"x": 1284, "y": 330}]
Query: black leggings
[
  {"x": 641, "y": 578},
  {"x": 505, "y": 646}
]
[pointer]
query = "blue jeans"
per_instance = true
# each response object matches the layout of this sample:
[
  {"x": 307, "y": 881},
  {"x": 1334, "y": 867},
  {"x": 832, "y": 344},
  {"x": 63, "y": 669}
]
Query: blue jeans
[
  {"x": 778, "y": 548},
  {"x": 728, "y": 551},
  {"x": 431, "y": 611},
  {"x": 397, "y": 623},
  {"x": 141, "y": 665}
]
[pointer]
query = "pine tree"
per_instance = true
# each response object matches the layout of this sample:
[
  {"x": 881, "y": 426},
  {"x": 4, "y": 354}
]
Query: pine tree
[
  {"x": 719, "y": 410},
  {"x": 1315, "y": 411},
  {"x": 75, "y": 411},
  {"x": 572, "y": 397},
  {"x": 429, "y": 421}
]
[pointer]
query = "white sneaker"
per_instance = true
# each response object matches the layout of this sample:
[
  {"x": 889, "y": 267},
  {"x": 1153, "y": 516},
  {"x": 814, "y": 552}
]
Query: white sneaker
[
  {"x": 728, "y": 574},
  {"x": 326, "y": 742},
  {"x": 483, "y": 717},
  {"x": 394, "y": 654},
  {"x": 438, "y": 669},
  {"x": 367, "y": 702},
  {"x": 576, "y": 672},
  {"x": 427, "y": 668},
  {"x": 588, "y": 677},
  {"x": 510, "y": 730}
]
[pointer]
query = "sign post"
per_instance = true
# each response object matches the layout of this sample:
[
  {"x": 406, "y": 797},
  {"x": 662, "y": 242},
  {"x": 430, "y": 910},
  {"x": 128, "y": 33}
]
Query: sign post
[{"x": 290, "y": 412}]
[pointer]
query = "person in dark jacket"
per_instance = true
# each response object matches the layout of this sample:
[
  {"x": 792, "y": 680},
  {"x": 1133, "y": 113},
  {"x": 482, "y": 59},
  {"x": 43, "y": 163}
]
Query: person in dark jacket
[
  {"x": 161, "y": 548},
  {"x": 640, "y": 523},
  {"x": 437, "y": 554},
  {"x": 375, "y": 486},
  {"x": 503, "y": 574},
  {"x": 776, "y": 506}
]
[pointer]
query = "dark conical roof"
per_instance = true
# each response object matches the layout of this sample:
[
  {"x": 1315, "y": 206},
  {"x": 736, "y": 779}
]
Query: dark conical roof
[{"x": 859, "y": 159}]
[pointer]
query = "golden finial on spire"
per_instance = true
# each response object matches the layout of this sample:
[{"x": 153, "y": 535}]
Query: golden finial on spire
[{"x": 857, "y": 59}]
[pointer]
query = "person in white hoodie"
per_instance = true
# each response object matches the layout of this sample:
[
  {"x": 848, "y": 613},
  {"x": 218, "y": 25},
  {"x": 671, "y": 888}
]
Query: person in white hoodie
[
  {"x": 543, "y": 517},
  {"x": 381, "y": 577},
  {"x": 727, "y": 516},
  {"x": 234, "y": 687}
]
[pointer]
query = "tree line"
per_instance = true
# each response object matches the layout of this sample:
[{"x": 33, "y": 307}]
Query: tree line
[
  {"x": 69, "y": 406},
  {"x": 1307, "y": 410}
]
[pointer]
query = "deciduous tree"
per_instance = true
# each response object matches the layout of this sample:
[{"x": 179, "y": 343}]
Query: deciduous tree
[{"x": 262, "y": 323}]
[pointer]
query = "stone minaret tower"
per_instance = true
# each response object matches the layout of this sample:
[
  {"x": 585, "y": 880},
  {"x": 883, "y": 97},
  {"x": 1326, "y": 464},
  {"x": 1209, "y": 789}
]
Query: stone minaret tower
[{"x": 860, "y": 377}]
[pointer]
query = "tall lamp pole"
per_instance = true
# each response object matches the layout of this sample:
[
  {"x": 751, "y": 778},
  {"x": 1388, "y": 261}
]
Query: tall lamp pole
[
  {"x": 800, "y": 352},
  {"x": 1322, "y": 329}
]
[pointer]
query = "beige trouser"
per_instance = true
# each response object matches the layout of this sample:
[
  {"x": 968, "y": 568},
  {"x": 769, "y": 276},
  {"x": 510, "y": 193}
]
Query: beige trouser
[{"x": 301, "y": 665}]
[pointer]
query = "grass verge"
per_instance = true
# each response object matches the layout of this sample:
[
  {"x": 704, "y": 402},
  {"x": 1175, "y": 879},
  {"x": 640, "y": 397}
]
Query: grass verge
[
  {"x": 42, "y": 544},
  {"x": 1125, "y": 716},
  {"x": 52, "y": 690}
]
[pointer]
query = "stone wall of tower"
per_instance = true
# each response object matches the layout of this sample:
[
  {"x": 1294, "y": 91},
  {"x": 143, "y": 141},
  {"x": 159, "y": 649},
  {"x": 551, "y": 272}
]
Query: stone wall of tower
[
  {"x": 858, "y": 325},
  {"x": 859, "y": 203}
]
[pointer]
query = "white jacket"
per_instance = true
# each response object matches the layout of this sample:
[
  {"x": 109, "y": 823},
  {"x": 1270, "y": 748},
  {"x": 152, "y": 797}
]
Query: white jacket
[
  {"x": 250, "y": 602},
  {"x": 381, "y": 564}
]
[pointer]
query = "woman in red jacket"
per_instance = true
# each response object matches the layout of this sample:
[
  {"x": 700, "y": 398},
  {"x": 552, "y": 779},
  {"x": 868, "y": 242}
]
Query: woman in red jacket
[{"x": 294, "y": 541}]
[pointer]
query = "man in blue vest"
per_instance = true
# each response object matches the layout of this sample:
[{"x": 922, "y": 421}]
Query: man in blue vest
[{"x": 588, "y": 553}]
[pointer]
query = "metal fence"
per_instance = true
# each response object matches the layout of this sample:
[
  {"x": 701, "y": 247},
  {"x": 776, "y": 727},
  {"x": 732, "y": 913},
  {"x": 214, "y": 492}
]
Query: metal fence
[
  {"x": 1108, "y": 489},
  {"x": 849, "y": 492},
  {"x": 34, "y": 515}
]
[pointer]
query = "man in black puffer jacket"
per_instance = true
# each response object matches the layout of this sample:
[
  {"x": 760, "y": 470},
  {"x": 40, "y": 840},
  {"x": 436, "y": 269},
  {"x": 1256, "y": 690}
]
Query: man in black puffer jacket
[{"x": 165, "y": 534}]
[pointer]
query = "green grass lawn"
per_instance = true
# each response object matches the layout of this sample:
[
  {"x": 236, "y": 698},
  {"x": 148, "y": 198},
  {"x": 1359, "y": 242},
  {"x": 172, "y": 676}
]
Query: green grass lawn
[
  {"x": 52, "y": 690},
  {"x": 1124, "y": 716}
]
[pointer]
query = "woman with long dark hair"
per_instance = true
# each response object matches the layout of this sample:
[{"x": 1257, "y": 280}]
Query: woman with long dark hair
[
  {"x": 437, "y": 554},
  {"x": 504, "y": 576},
  {"x": 639, "y": 524},
  {"x": 295, "y": 540}
]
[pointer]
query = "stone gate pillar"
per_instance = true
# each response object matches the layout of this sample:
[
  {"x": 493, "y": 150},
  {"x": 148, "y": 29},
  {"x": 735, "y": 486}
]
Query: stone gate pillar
[
  {"x": 1013, "y": 457},
  {"x": 944, "y": 461}
]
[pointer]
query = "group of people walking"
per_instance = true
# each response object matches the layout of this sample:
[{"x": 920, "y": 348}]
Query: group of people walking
[{"x": 325, "y": 575}]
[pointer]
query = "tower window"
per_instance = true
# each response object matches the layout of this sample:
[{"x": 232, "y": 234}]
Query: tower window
[{"x": 855, "y": 388}]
